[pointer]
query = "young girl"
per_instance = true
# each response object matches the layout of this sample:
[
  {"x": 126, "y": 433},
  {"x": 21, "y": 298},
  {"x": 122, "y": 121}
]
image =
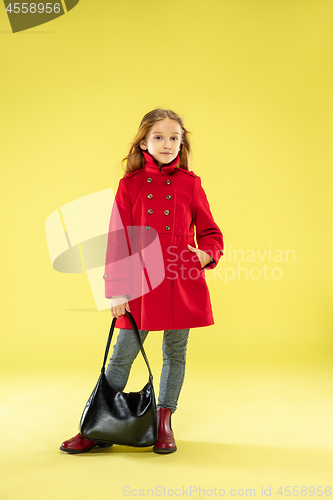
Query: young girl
[{"x": 153, "y": 268}]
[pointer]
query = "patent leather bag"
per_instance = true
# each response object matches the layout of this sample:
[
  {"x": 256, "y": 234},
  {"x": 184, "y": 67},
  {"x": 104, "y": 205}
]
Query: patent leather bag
[{"x": 118, "y": 417}]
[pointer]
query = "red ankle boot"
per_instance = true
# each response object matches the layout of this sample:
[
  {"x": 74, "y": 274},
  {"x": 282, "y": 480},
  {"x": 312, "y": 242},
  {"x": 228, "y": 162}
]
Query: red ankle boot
[
  {"x": 79, "y": 444},
  {"x": 166, "y": 442}
]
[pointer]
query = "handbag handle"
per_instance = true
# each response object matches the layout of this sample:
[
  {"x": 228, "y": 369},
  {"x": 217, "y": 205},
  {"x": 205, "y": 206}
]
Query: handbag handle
[{"x": 135, "y": 328}]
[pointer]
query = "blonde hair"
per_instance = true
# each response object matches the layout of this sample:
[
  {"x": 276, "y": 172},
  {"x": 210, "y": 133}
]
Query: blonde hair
[{"x": 135, "y": 159}]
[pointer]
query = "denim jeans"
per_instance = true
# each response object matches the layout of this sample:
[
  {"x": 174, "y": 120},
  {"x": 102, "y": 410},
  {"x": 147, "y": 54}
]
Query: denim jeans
[{"x": 174, "y": 348}]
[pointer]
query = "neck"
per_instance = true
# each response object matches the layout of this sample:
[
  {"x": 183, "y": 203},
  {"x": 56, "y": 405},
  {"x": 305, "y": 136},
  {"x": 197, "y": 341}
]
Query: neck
[{"x": 151, "y": 163}]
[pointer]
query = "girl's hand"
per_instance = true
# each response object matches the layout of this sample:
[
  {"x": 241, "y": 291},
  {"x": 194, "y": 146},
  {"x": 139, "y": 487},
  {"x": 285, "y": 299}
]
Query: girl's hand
[
  {"x": 203, "y": 256},
  {"x": 118, "y": 305}
]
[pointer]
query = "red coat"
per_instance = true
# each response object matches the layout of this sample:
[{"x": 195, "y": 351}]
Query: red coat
[{"x": 147, "y": 258}]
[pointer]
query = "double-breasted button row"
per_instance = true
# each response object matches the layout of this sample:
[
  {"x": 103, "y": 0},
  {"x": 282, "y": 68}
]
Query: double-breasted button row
[
  {"x": 166, "y": 227},
  {"x": 149, "y": 179},
  {"x": 166, "y": 212},
  {"x": 150, "y": 196},
  {"x": 168, "y": 196}
]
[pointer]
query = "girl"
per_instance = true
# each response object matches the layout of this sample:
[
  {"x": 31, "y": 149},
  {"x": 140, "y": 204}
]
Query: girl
[{"x": 153, "y": 268}]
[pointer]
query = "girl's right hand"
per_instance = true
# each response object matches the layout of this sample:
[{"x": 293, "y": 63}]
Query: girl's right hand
[{"x": 118, "y": 305}]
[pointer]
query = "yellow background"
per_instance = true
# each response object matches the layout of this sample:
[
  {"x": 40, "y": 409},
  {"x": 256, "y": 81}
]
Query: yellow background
[{"x": 253, "y": 81}]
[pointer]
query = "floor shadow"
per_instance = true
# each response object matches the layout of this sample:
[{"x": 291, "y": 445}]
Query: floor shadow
[{"x": 234, "y": 456}]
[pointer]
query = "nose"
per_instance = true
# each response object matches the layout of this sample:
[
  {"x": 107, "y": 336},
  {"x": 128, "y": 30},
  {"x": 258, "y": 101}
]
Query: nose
[{"x": 168, "y": 144}]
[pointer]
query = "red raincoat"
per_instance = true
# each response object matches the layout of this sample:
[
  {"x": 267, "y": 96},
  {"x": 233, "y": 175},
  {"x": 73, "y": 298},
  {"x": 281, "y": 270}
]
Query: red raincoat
[{"x": 147, "y": 258}]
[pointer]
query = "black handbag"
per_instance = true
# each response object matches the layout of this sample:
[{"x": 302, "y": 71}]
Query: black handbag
[{"x": 118, "y": 417}]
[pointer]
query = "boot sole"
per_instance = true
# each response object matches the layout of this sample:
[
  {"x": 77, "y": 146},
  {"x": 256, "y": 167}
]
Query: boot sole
[
  {"x": 164, "y": 450},
  {"x": 75, "y": 452}
]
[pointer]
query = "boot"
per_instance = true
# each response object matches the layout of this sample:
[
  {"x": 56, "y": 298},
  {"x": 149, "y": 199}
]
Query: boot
[
  {"x": 166, "y": 442},
  {"x": 79, "y": 444}
]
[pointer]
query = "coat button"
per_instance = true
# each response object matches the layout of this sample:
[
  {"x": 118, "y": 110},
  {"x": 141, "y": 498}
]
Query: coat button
[
  {"x": 147, "y": 227},
  {"x": 167, "y": 228},
  {"x": 149, "y": 179},
  {"x": 150, "y": 196},
  {"x": 168, "y": 181},
  {"x": 168, "y": 196},
  {"x": 105, "y": 276},
  {"x": 166, "y": 212},
  {"x": 150, "y": 211}
]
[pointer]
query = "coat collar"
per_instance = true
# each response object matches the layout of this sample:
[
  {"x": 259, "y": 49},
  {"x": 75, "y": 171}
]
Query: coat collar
[{"x": 151, "y": 166}]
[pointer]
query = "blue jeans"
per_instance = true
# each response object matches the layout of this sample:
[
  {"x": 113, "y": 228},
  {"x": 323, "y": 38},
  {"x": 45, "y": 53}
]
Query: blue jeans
[{"x": 173, "y": 370}]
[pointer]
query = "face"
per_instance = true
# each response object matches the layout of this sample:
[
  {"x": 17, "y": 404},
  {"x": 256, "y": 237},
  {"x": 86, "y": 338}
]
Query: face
[{"x": 163, "y": 141}]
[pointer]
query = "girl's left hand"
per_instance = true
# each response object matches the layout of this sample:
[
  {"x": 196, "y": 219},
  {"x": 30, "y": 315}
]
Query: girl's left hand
[{"x": 203, "y": 256}]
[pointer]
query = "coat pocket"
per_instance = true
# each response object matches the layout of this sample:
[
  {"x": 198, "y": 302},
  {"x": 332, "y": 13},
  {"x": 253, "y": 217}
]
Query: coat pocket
[{"x": 194, "y": 266}]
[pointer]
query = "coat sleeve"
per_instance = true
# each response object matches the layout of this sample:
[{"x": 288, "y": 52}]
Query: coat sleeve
[
  {"x": 117, "y": 274},
  {"x": 208, "y": 235}
]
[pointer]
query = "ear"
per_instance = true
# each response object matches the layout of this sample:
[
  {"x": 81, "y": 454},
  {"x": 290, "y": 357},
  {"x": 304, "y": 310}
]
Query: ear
[{"x": 143, "y": 145}]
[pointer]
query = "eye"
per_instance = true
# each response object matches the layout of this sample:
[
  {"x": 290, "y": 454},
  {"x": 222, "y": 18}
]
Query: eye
[
  {"x": 157, "y": 137},
  {"x": 175, "y": 138}
]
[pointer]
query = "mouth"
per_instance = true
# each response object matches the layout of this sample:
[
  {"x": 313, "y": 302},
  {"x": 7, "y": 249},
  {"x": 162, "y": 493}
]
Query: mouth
[{"x": 166, "y": 153}]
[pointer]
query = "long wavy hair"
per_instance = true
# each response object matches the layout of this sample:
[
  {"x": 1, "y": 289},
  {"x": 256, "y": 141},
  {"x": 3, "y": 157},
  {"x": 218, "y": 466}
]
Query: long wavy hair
[{"x": 135, "y": 159}]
